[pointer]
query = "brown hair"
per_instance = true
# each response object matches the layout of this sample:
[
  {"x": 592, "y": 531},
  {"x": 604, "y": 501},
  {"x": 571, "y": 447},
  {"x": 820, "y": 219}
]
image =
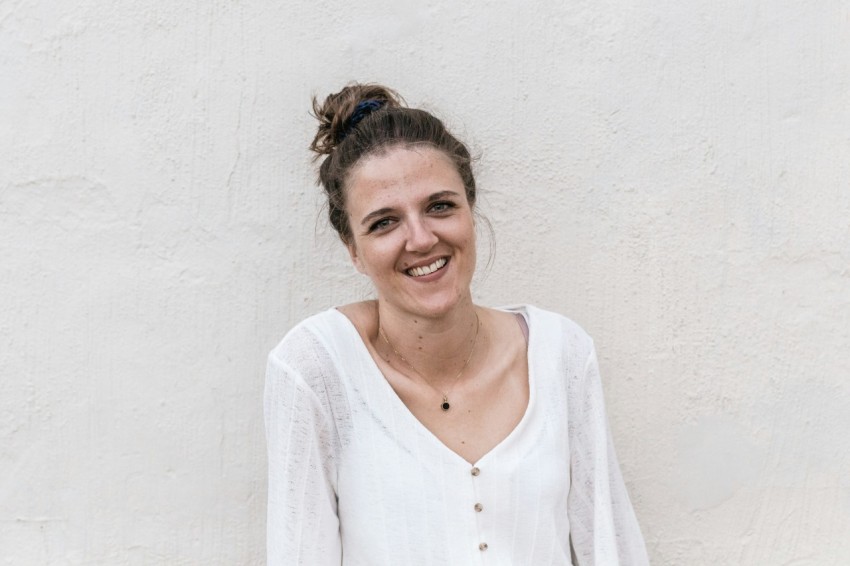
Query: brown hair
[{"x": 365, "y": 119}]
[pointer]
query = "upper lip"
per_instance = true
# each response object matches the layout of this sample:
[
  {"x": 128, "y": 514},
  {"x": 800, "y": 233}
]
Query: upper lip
[{"x": 425, "y": 262}]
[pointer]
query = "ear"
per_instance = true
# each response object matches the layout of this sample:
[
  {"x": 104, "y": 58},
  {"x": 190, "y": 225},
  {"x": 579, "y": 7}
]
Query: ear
[{"x": 355, "y": 257}]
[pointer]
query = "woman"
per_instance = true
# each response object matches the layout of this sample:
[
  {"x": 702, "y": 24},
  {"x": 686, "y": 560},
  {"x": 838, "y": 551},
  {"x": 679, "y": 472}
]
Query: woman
[{"x": 420, "y": 428}]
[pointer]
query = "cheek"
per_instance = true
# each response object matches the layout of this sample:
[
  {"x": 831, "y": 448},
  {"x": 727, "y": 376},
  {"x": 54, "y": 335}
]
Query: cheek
[
  {"x": 470, "y": 235},
  {"x": 375, "y": 258},
  {"x": 471, "y": 244}
]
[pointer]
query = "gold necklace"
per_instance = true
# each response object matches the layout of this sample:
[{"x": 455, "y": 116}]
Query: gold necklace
[{"x": 445, "y": 405}]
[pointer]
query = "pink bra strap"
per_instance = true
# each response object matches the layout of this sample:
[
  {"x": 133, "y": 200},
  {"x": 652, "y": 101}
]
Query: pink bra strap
[{"x": 523, "y": 325}]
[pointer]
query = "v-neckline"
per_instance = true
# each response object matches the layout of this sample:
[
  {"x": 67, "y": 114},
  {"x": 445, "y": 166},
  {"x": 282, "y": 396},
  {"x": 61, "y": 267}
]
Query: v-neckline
[{"x": 402, "y": 408}]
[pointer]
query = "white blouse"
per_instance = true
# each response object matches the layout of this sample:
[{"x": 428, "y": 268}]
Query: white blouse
[{"x": 356, "y": 479}]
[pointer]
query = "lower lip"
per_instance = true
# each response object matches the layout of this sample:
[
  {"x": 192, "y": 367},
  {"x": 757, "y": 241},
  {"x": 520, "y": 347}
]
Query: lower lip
[{"x": 432, "y": 276}]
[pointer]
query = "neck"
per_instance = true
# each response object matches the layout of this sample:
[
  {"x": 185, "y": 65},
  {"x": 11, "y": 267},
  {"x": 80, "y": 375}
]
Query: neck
[{"x": 436, "y": 347}]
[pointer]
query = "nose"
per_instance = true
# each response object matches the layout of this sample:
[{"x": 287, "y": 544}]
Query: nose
[{"x": 420, "y": 237}]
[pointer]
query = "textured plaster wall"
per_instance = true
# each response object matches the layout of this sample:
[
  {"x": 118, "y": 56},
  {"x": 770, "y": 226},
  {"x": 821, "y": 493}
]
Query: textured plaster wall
[{"x": 672, "y": 175}]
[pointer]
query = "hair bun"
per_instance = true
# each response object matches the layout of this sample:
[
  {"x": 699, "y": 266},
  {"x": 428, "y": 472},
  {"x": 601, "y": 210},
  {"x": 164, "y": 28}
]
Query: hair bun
[{"x": 341, "y": 111}]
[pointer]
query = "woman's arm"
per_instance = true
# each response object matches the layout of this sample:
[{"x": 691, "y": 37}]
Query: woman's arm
[
  {"x": 302, "y": 523},
  {"x": 603, "y": 527}
]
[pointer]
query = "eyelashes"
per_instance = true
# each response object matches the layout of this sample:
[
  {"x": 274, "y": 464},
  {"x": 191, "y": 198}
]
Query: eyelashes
[
  {"x": 442, "y": 206},
  {"x": 380, "y": 224},
  {"x": 438, "y": 208}
]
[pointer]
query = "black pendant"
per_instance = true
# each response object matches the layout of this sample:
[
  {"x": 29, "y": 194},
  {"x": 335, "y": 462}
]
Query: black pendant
[{"x": 445, "y": 406}]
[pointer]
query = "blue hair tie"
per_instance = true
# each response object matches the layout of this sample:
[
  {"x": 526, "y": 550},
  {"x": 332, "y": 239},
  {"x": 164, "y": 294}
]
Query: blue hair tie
[{"x": 362, "y": 110}]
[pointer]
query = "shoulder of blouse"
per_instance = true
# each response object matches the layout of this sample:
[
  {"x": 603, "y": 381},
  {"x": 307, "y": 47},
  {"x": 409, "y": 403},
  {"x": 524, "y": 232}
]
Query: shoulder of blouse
[
  {"x": 557, "y": 326},
  {"x": 313, "y": 332},
  {"x": 307, "y": 357}
]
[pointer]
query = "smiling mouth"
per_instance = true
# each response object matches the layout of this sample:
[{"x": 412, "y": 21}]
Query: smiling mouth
[{"x": 427, "y": 269}]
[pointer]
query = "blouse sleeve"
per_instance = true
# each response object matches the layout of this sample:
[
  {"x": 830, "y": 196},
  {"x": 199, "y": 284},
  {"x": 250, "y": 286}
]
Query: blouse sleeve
[
  {"x": 603, "y": 527},
  {"x": 302, "y": 522}
]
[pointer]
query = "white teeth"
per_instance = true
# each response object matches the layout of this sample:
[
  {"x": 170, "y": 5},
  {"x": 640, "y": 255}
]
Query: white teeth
[{"x": 420, "y": 271}]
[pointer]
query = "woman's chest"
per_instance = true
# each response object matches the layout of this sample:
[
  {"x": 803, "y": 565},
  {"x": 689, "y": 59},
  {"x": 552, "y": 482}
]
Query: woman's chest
[
  {"x": 478, "y": 419},
  {"x": 473, "y": 416}
]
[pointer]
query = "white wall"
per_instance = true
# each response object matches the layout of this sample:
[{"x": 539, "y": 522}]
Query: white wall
[{"x": 672, "y": 175}]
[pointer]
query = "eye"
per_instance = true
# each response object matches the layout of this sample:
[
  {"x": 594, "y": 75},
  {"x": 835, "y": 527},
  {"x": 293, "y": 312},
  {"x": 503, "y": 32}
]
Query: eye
[
  {"x": 381, "y": 224},
  {"x": 442, "y": 206}
]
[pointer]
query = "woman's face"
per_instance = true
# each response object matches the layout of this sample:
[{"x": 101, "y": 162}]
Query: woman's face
[{"x": 412, "y": 230}]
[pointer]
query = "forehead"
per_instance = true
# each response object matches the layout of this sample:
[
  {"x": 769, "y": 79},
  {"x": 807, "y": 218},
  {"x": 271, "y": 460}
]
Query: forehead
[{"x": 399, "y": 173}]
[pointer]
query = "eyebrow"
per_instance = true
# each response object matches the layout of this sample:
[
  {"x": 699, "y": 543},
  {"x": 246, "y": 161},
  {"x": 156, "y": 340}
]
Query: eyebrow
[{"x": 385, "y": 210}]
